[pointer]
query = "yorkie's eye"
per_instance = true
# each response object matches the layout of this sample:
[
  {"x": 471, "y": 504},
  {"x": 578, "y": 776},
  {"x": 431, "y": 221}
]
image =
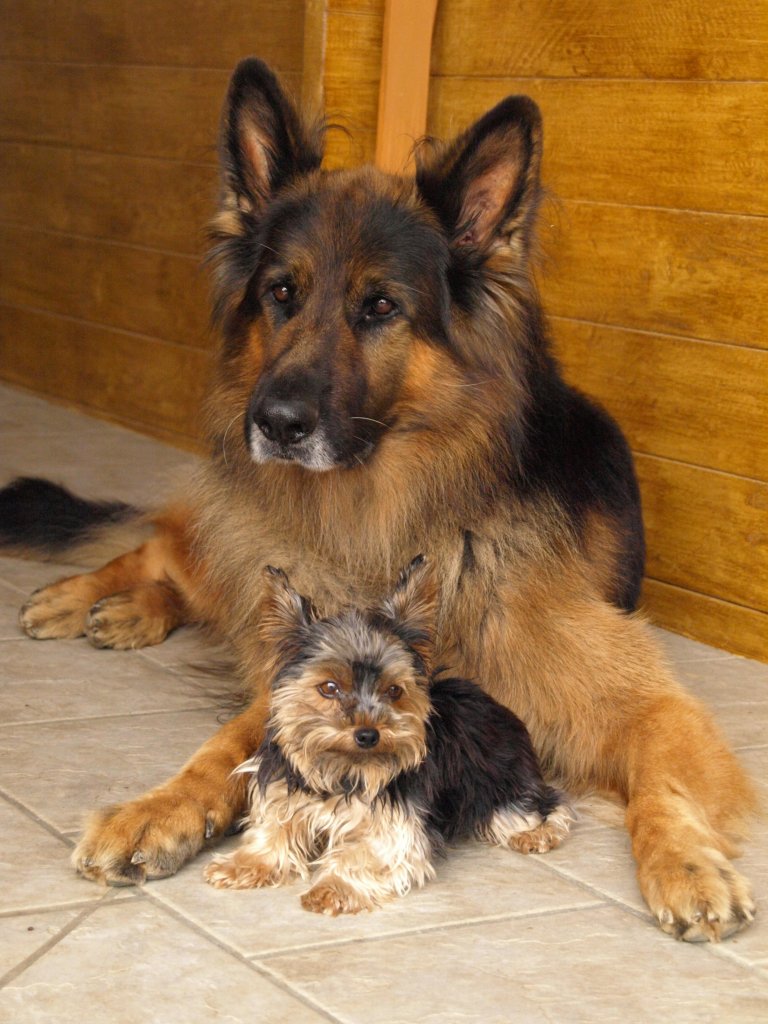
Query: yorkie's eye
[
  {"x": 395, "y": 692},
  {"x": 328, "y": 689}
]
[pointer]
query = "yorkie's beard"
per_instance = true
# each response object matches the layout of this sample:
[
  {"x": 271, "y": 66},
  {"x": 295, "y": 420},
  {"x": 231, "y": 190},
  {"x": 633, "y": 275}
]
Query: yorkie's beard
[{"x": 315, "y": 753}]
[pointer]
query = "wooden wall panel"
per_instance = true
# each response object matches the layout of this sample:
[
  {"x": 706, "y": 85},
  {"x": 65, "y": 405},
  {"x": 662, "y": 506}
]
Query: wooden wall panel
[
  {"x": 709, "y": 531},
  {"x": 150, "y": 203},
  {"x": 713, "y": 421},
  {"x": 672, "y": 271},
  {"x": 683, "y": 39},
  {"x": 350, "y": 79},
  {"x": 124, "y": 377},
  {"x": 691, "y": 145},
  {"x": 654, "y": 251},
  {"x": 108, "y": 129},
  {"x": 160, "y": 294},
  {"x": 197, "y": 34}
]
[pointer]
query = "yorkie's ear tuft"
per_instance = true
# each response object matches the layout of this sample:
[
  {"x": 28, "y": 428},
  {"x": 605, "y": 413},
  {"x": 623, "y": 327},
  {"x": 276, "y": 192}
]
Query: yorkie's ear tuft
[
  {"x": 284, "y": 617},
  {"x": 412, "y": 609}
]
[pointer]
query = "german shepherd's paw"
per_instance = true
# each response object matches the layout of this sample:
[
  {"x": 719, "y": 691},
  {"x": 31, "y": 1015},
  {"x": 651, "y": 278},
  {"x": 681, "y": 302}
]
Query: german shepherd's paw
[
  {"x": 333, "y": 897},
  {"x": 57, "y": 612},
  {"x": 148, "y": 838},
  {"x": 140, "y": 617},
  {"x": 702, "y": 899}
]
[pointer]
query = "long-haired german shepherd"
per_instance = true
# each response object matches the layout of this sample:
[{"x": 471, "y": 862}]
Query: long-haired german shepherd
[{"x": 385, "y": 387}]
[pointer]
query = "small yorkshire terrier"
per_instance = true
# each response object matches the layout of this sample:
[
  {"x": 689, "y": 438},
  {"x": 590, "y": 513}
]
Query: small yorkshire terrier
[{"x": 371, "y": 761}]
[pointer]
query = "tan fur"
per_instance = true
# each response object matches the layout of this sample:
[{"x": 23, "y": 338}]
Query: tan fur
[
  {"x": 360, "y": 854},
  {"x": 532, "y": 621}
]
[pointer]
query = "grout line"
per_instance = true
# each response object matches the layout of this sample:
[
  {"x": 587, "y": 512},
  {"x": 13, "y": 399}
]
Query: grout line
[
  {"x": 225, "y": 947},
  {"x": 103, "y": 718},
  {"x": 52, "y": 908},
  {"x": 465, "y": 922},
  {"x": 19, "y": 969},
  {"x": 34, "y": 817}
]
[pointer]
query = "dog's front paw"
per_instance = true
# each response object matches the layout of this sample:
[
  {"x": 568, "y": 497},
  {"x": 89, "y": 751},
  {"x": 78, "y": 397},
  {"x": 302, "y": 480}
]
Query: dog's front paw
[
  {"x": 698, "y": 899},
  {"x": 57, "y": 612},
  {"x": 333, "y": 897},
  {"x": 140, "y": 617},
  {"x": 240, "y": 870},
  {"x": 147, "y": 838}
]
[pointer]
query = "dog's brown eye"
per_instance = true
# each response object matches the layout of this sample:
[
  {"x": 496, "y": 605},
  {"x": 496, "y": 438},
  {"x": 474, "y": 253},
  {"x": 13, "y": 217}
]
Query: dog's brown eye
[
  {"x": 395, "y": 692},
  {"x": 328, "y": 689},
  {"x": 281, "y": 293},
  {"x": 380, "y": 307}
]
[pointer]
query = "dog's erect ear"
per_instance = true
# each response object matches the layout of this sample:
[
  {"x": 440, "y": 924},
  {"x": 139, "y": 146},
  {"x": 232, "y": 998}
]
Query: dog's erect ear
[
  {"x": 284, "y": 617},
  {"x": 484, "y": 186},
  {"x": 264, "y": 142},
  {"x": 412, "y": 608}
]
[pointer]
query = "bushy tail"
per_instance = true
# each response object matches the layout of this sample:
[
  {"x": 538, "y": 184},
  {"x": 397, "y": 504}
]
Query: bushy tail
[{"x": 44, "y": 521}]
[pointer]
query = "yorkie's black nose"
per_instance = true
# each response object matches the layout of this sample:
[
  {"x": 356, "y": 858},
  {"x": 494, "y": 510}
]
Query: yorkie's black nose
[{"x": 366, "y": 738}]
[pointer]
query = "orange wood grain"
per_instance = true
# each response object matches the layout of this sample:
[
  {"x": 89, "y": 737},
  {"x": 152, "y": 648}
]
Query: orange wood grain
[
  {"x": 154, "y": 203},
  {"x": 683, "y": 39},
  {"x": 709, "y": 619},
  {"x": 158, "y": 294},
  {"x": 690, "y": 145},
  {"x": 406, "y": 47},
  {"x": 668, "y": 271}
]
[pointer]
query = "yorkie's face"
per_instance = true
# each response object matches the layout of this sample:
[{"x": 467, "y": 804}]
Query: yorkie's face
[{"x": 351, "y": 698}]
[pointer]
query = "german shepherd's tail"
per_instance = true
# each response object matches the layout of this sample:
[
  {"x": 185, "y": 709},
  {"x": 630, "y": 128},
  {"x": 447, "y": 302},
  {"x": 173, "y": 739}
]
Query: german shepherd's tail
[{"x": 44, "y": 521}]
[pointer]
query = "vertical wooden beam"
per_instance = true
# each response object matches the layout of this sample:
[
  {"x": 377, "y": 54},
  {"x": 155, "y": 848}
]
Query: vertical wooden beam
[{"x": 404, "y": 88}]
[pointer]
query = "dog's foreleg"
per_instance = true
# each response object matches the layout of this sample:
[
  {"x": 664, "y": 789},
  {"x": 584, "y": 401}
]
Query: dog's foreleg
[
  {"x": 135, "y": 600},
  {"x": 152, "y": 836},
  {"x": 383, "y": 855},
  {"x": 687, "y": 801}
]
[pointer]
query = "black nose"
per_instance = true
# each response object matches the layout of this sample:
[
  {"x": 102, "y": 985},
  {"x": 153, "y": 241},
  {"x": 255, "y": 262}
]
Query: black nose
[
  {"x": 285, "y": 420},
  {"x": 366, "y": 738}
]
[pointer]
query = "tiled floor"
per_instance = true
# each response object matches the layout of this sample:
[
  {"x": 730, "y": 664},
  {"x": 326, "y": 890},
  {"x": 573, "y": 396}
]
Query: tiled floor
[{"x": 497, "y": 938}]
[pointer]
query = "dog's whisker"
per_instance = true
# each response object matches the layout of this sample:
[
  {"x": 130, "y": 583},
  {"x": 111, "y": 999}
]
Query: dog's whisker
[{"x": 224, "y": 438}]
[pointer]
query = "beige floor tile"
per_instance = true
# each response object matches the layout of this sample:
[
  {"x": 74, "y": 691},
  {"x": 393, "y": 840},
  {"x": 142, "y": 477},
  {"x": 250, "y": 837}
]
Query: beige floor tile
[
  {"x": 61, "y": 770},
  {"x": 680, "y": 649},
  {"x": 22, "y": 415},
  {"x": 10, "y": 601},
  {"x": 744, "y": 725},
  {"x": 583, "y": 966},
  {"x": 25, "y": 576},
  {"x": 729, "y": 680},
  {"x": 473, "y": 882},
  {"x": 131, "y": 963},
  {"x": 34, "y": 867},
  {"x": 100, "y": 464},
  {"x": 23, "y": 935},
  {"x": 46, "y": 680}
]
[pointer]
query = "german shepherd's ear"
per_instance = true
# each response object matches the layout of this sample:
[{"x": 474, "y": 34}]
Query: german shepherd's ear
[
  {"x": 412, "y": 609},
  {"x": 484, "y": 186},
  {"x": 264, "y": 142},
  {"x": 284, "y": 617}
]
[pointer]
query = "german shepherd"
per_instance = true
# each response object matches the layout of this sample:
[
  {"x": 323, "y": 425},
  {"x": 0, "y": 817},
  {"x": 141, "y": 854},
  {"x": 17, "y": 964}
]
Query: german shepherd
[{"x": 385, "y": 387}]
